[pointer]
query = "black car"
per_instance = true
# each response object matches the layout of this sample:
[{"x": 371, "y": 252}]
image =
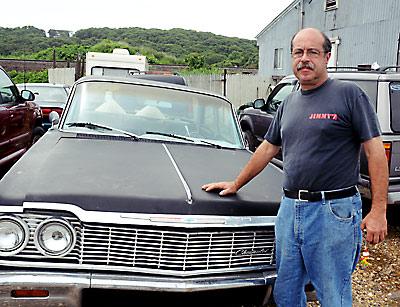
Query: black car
[
  {"x": 255, "y": 119},
  {"x": 111, "y": 201}
]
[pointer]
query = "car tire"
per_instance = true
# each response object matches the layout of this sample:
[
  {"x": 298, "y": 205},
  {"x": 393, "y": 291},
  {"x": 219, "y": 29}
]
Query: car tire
[
  {"x": 249, "y": 138},
  {"x": 37, "y": 134}
]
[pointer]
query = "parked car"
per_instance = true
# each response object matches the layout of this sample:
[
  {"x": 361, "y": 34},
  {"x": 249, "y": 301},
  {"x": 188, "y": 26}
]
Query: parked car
[
  {"x": 20, "y": 122},
  {"x": 110, "y": 199},
  {"x": 382, "y": 87},
  {"x": 50, "y": 97},
  {"x": 255, "y": 119}
]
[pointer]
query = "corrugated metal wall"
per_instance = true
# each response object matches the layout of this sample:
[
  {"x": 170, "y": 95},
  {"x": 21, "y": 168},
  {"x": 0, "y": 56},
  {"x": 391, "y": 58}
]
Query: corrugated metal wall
[
  {"x": 278, "y": 36},
  {"x": 368, "y": 31}
]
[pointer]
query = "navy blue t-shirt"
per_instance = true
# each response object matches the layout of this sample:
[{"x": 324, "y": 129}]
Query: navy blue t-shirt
[{"x": 321, "y": 131}]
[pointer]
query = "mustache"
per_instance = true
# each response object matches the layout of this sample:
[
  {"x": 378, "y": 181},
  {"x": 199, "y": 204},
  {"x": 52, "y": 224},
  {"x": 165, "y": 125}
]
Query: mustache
[{"x": 305, "y": 65}]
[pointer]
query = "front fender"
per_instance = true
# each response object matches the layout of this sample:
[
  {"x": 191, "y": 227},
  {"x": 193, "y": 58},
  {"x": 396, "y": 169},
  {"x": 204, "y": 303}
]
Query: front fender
[{"x": 246, "y": 123}]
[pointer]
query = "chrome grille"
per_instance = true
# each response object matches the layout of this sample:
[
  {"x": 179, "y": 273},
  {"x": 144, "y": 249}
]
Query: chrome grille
[
  {"x": 176, "y": 250},
  {"x": 158, "y": 250}
]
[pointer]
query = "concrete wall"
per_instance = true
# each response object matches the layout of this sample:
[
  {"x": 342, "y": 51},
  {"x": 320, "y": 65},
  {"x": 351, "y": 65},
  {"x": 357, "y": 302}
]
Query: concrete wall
[
  {"x": 240, "y": 88},
  {"x": 62, "y": 75}
]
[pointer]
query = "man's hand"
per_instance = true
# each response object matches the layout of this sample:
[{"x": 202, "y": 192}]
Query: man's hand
[
  {"x": 376, "y": 225},
  {"x": 228, "y": 188}
]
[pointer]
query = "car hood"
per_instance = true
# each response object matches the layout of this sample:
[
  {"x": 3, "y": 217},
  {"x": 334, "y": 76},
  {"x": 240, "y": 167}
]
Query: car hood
[{"x": 104, "y": 173}]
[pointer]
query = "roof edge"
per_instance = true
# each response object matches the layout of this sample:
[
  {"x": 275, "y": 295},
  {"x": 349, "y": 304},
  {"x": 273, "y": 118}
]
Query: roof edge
[{"x": 276, "y": 19}]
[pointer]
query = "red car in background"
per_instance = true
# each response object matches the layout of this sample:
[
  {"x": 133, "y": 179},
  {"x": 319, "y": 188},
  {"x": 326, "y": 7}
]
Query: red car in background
[
  {"x": 20, "y": 122},
  {"x": 50, "y": 97}
]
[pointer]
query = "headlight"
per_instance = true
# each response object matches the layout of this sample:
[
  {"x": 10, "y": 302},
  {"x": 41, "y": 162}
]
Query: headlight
[
  {"x": 14, "y": 235},
  {"x": 54, "y": 237}
]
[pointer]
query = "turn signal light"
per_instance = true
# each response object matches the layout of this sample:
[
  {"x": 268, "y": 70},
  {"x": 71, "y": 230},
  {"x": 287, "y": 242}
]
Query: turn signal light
[
  {"x": 29, "y": 293},
  {"x": 388, "y": 150},
  {"x": 46, "y": 111}
]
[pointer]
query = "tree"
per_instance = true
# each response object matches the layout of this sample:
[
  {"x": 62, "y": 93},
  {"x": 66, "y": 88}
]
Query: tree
[{"x": 195, "y": 61}]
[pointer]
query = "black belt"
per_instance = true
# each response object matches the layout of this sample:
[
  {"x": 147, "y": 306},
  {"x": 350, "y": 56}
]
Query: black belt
[{"x": 305, "y": 195}]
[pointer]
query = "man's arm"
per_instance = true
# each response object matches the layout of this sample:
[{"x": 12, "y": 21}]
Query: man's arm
[
  {"x": 260, "y": 159},
  {"x": 375, "y": 222}
]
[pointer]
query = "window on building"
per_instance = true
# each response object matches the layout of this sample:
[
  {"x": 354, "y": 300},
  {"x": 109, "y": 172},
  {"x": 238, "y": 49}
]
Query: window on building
[
  {"x": 278, "y": 55},
  {"x": 330, "y": 5}
]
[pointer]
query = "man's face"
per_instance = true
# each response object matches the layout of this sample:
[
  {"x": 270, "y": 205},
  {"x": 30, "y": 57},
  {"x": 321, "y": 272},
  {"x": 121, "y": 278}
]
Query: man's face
[{"x": 309, "y": 59}]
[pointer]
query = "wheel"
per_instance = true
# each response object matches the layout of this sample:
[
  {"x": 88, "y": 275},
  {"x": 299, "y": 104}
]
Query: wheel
[
  {"x": 37, "y": 134},
  {"x": 250, "y": 140}
]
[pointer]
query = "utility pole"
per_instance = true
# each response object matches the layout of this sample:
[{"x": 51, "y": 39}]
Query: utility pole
[
  {"x": 398, "y": 54},
  {"x": 224, "y": 80},
  {"x": 54, "y": 58}
]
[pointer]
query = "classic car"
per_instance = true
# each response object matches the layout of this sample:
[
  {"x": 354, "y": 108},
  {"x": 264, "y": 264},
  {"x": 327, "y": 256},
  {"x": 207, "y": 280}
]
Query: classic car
[{"x": 110, "y": 200}]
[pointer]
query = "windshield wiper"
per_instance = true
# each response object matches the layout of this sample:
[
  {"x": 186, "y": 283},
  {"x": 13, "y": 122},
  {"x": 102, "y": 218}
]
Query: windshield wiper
[
  {"x": 171, "y": 135},
  {"x": 181, "y": 137},
  {"x": 95, "y": 126},
  {"x": 211, "y": 144}
]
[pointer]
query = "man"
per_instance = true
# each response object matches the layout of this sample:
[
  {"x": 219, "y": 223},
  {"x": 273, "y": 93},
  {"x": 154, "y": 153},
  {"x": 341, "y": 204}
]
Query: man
[{"x": 320, "y": 129}]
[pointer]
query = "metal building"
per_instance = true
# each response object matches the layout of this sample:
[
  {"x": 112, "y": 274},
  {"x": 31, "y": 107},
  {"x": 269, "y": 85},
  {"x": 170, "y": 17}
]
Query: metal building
[{"x": 362, "y": 32}]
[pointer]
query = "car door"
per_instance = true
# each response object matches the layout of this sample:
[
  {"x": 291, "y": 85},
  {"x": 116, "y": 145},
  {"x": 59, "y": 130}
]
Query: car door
[
  {"x": 15, "y": 130},
  {"x": 4, "y": 139},
  {"x": 266, "y": 113}
]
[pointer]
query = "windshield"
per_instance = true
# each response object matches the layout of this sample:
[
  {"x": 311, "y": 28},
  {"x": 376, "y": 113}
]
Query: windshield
[
  {"x": 48, "y": 94},
  {"x": 152, "y": 112}
]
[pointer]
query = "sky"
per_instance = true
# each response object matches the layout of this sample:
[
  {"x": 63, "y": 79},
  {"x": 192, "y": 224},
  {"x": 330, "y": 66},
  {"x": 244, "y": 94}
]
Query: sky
[{"x": 223, "y": 17}]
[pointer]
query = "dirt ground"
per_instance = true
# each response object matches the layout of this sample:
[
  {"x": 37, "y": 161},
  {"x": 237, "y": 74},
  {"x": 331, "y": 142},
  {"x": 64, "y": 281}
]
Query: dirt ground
[{"x": 378, "y": 284}]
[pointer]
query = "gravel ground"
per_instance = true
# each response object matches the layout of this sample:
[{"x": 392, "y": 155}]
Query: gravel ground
[{"x": 379, "y": 283}]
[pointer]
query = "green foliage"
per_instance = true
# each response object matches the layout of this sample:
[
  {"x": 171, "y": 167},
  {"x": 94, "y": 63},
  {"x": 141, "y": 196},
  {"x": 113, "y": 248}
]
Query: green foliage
[
  {"x": 200, "y": 50},
  {"x": 195, "y": 61},
  {"x": 29, "y": 76}
]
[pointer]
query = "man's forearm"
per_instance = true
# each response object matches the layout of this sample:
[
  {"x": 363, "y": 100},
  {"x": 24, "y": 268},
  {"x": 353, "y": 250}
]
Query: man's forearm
[
  {"x": 378, "y": 171},
  {"x": 379, "y": 174},
  {"x": 259, "y": 160}
]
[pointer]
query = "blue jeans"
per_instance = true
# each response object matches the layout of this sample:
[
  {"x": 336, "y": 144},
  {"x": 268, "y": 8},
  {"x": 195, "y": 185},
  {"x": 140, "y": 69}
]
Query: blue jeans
[{"x": 318, "y": 242}]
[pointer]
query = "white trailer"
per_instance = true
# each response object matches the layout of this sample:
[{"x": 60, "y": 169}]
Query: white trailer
[{"x": 118, "y": 63}]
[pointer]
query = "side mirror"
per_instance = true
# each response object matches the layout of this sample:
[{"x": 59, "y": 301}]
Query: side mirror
[
  {"x": 258, "y": 103},
  {"x": 54, "y": 118},
  {"x": 27, "y": 95}
]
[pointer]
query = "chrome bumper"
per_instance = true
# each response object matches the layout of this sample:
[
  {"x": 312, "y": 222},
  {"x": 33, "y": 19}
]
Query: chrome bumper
[
  {"x": 65, "y": 289},
  {"x": 393, "y": 191}
]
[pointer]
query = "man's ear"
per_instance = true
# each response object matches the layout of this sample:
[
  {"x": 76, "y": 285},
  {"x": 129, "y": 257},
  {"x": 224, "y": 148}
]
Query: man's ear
[{"x": 327, "y": 57}]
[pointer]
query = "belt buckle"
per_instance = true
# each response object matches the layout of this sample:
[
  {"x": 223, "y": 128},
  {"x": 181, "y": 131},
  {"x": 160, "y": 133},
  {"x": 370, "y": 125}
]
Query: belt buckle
[{"x": 302, "y": 191}]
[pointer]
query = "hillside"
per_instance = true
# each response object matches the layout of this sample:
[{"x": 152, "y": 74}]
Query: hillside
[{"x": 175, "y": 46}]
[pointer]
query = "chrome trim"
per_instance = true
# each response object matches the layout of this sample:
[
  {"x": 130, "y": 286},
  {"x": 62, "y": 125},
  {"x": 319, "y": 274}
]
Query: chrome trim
[
  {"x": 146, "y": 283},
  {"x": 25, "y": 230},
  {"x": 185, "y": 185},
  {"x": 43, "y": 250},
  {"x": 171, "y": 220},
  {"x": 393, "y": 198},
  {"x": 11, "y": 209},
  {"x": 73, "y": 283},
  {"x": 124, "y": 269},
  {"x": 133, "y": 249}
]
